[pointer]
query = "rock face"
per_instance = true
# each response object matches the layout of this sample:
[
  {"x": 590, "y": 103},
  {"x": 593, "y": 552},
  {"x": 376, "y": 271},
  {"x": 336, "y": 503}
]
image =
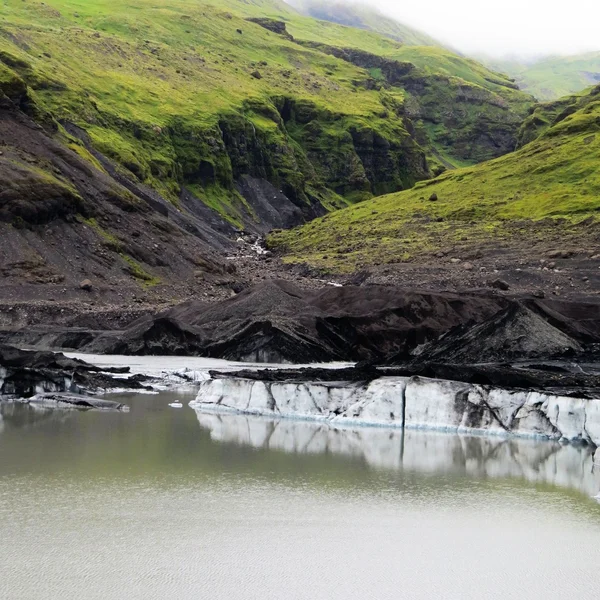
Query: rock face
[
  {"x": 273, "y": 209},
  {"x": 346, "y": 157},
  {"x": 278, "y": 27},
  {"x": 414, "y": 402}
]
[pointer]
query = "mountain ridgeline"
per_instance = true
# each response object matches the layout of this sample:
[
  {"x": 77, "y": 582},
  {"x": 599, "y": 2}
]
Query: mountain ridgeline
[
  {"x": 362, "y": 16},
  {"x": 552, "y": 77}
]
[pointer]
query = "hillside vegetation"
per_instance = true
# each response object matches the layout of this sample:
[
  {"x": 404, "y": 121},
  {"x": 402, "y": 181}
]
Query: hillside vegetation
[
  {"x": 519, "y": 198},
  {"x": 554, "y": 76},
  {"x": 546, "y": 115},
  {"x": 193, "y": 96}
]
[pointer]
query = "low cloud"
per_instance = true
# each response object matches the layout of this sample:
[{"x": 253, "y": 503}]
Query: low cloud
[{"x": 526, "y": 28}]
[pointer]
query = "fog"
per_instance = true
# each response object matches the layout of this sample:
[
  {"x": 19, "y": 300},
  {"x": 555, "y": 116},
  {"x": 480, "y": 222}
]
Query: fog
[{"x": 524, "y": 28}]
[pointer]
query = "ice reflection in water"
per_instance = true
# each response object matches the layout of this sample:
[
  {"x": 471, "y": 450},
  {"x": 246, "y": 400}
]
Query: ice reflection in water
[{"x": 537, "y": 462}]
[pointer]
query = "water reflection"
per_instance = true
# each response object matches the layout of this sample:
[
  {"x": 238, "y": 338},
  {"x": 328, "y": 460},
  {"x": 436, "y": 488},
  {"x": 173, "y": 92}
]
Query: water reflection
[
  {"x": 17, "y": 415},
  {"x": 154, "y": 440},
  {"x": 534, "y": 461}
]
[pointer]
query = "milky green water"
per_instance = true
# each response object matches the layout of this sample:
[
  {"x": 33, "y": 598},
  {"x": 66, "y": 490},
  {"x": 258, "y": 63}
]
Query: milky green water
[{"x": 164, "y": 503}]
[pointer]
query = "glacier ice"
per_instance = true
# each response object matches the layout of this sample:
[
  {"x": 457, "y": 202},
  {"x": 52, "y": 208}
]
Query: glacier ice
[{"x": 412, "y": 403}]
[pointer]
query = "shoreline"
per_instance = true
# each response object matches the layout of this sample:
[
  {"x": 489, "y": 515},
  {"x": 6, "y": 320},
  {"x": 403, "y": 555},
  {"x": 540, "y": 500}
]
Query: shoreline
[{"x": 338, "y": 394}]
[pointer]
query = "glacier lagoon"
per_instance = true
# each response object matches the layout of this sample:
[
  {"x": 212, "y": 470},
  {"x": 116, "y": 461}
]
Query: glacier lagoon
[{"x": 171, "y": 502}]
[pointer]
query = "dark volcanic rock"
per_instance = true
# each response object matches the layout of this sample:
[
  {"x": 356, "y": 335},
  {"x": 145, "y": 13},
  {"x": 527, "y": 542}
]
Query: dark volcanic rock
[
  {"x": 15, "y": 358},
  {"x": 515, "y": 333},
  {"x": 500, "y": 284},
  {"x": 75, "y": 401},
  {"x": 25, "y": 374},
  {"x": 278, "y": 27},
  {"x": 278, "y": 322},
  {"x": 556, "y": 377},
  {"x": 162, "y": 335},
  {"x": 363, "y": 372}
]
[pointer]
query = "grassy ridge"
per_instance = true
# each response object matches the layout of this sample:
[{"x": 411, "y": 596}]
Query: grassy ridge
[
  {"x": 549, "y": 115},
  {"x": 556, "y": 176}
]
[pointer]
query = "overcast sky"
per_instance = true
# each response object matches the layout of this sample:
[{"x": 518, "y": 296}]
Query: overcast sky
[{"x": 504, "y": 27}]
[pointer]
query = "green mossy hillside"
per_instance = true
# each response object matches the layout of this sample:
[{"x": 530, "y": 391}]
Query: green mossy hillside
[
  {"x": 554, "y": 179},
  {"x": 459, "y": 112},
  {"x": 547, "y": 115},
  {"x": 188, "y": 93},
  {"x": 555, "y": 76}
]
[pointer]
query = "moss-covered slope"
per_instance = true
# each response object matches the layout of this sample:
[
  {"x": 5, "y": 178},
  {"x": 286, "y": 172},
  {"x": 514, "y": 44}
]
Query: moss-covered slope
[
  {"x": 190, "y": 96},
  {"x": 66, "y": 216},
  {"x": 555, "y": 76},
  {"x": 549, "y": 114},
  {"x": 553, "y": 180}
]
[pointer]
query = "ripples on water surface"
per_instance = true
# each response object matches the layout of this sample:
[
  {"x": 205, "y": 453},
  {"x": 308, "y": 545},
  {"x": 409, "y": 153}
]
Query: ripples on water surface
[{"x": 167, "y": 503}]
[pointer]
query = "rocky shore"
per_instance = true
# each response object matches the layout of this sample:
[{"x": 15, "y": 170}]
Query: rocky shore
[
  {"x": 53, "y": 379},
  {"x": 477, "y": 361}
]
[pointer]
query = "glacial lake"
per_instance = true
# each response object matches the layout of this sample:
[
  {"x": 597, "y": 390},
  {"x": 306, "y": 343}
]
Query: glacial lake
[{"x": 163, "y": 502}]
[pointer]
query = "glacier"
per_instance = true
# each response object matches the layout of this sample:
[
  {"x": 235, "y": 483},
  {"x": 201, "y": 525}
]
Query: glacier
[{"x": 410, "y": 403}]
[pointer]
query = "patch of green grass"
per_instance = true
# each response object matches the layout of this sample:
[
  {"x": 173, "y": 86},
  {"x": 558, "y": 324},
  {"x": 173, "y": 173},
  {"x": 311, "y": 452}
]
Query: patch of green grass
[
  {"x": 228, "y": 203},
  {"x": 116, "y": 245},
  {"x": 11, "y": 85},
  {"x": 554, "y": 177},
  {"x": 84, "y": 153},
  {"x": 138, "y": 272},
  {"x": 110, "y": 241}
]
